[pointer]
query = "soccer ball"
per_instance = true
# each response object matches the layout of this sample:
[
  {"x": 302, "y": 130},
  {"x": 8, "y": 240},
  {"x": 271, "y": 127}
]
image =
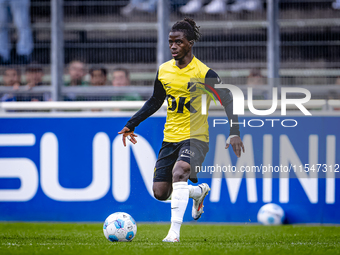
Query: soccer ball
[
  {"x": 120, "y": 227},
  {"x": 271, "y": 214}
]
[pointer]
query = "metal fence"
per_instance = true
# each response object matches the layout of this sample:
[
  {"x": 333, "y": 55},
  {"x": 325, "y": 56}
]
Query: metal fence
[{"x": 98, "y": 35}]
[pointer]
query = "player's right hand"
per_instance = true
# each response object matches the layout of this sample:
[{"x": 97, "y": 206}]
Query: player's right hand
[{"x": 126, "y": 134}]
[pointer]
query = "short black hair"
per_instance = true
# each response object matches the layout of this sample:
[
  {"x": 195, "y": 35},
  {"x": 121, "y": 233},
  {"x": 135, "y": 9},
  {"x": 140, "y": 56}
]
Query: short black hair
[
  {"x": 95, "y": 68},
  {"x": 34, "y": 68},
  {"x": 126, "y": 71},
  {"x": 189, "y": 28}
]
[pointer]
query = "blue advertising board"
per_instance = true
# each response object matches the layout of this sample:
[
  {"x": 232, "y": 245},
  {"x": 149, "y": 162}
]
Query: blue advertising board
[{"x": 76, "y": 169}]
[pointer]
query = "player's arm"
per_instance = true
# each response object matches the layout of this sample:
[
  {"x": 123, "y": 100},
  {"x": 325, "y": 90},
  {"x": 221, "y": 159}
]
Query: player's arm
[
  {"x": 150, "y": 107},
  {"x": 227, "y": 102}
]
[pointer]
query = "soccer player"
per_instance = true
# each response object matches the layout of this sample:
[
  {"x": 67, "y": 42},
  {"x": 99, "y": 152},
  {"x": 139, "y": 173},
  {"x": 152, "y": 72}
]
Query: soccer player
[{"x": 186, "y": 129}]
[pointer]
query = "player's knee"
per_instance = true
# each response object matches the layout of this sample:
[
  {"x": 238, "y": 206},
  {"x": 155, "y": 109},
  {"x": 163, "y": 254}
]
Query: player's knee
[{"x": 160, "y": 195}]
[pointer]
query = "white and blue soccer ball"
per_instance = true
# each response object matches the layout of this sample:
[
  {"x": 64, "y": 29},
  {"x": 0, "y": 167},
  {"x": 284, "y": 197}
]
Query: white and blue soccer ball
[
  {"x": 271, "y": 214},
  {"x": 120, "y": 227}
]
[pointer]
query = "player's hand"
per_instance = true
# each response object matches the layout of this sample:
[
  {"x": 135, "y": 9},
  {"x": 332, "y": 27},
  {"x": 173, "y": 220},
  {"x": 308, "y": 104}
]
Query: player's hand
[
  {"x": 237, "y": 145},
  {"x": 129, "y": 135}
]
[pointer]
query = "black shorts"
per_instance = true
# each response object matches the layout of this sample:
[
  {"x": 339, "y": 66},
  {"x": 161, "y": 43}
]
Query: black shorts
[{"x": 192, "y": 151}]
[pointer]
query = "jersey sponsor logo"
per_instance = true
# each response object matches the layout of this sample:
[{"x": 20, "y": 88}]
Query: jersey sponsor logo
[
  {"x": 192, "y": 87},
  {"x": 181, "y": 104}
]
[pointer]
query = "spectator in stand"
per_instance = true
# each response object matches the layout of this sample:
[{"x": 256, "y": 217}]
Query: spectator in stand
[
  {"x": 20, "y": 10},
  {"x": 254, "y": 79},
  {"x": 98, "y": 76},
  {"x": 76, "y": 70},
  {"x": 220, "y": 6},
  {"x": 77, "y": 73},
  {"x": 334, "y": 94},
  {"x": 121, "y": 78},
  {"x": 34, "y": 74},
  {"x": 337, "y": 81},
  {"x": 11, "y": 79}
]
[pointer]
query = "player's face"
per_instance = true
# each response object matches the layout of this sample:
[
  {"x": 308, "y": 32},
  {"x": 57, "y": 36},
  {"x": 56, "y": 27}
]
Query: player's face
[{"x": 179, "y": 45}]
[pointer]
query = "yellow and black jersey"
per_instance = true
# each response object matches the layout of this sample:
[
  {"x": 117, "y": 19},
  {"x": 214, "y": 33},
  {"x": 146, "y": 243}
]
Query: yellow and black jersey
[
  {"x": 183, "y": 90},
  {"x": 184, "y": 119}
]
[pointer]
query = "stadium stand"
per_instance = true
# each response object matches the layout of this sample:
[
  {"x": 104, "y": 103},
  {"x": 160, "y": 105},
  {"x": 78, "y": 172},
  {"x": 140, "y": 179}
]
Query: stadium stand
[{"x": 233, "y": 43}]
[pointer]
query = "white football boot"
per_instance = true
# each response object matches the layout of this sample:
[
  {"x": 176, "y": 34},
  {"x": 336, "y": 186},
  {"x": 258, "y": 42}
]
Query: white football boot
[
  {"x": 192, "y": 7},
  {"x": 246, "y": 5},
  {"x": 171, "y": 238},
  {"x": 197, "y": 207},
  {"x": 216, "y": 7},
  {"x": 128, "y": 9},
  {"x": 253, "y": 5}
]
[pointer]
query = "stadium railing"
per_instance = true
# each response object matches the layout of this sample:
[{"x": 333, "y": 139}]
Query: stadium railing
[
  {"x": 11, "y": 107},
  {"x": 326, "y": 91},
  {"x": 119, "y": 26}
]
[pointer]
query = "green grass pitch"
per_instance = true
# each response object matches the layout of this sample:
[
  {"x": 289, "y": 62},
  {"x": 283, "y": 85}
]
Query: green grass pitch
[{"x": 82, "y": 239}]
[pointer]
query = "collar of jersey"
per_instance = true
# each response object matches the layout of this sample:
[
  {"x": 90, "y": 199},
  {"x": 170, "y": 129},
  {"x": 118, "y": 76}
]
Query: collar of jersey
[{"x": 187, "y": 68}]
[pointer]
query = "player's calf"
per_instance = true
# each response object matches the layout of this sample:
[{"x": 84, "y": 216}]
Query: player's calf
[{"x": 181, "y": 171}]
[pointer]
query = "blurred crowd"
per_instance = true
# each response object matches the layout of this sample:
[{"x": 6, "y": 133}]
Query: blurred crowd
[{"x": 77, "y": 75}]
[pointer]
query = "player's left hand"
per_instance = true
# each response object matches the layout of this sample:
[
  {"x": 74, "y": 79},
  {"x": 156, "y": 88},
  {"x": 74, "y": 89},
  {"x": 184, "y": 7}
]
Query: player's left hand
[
  {"x": 126, "y": 133},
  {"x": 237, "y": 145}
]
